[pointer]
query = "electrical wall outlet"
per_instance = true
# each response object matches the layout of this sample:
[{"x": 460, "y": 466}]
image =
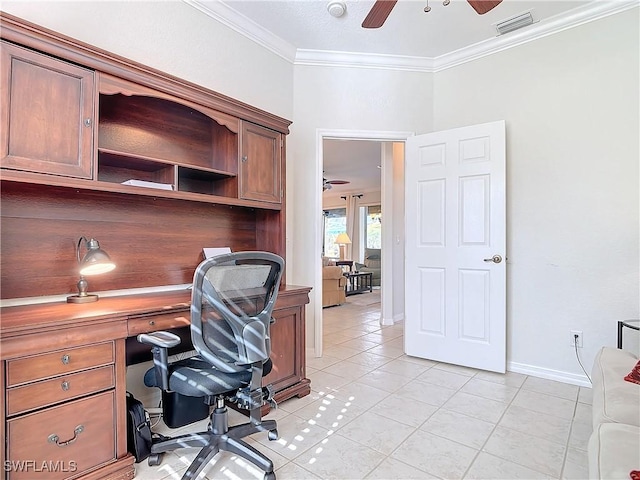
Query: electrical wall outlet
[{"x": 576, "y": 338}]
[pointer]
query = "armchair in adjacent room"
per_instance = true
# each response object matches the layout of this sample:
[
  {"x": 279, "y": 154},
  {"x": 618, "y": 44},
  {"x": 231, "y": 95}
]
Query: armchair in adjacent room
[
  {"x": 372, "y": 264},
  {"x": 333, "y": 286},
  {"x": 231, "y": 306}
]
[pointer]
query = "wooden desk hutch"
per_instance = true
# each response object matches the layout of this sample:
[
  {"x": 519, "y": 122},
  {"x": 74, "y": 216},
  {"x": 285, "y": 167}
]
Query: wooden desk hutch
[{"x": 77, "y": 123}]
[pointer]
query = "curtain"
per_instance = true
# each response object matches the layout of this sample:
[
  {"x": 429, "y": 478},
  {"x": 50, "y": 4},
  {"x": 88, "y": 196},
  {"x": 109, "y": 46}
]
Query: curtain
[{"x": 353, "y": 224}]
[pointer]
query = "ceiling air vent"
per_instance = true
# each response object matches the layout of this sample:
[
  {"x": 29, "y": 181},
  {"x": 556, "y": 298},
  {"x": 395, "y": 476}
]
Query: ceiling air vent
[{"x": 514, "y": 23}]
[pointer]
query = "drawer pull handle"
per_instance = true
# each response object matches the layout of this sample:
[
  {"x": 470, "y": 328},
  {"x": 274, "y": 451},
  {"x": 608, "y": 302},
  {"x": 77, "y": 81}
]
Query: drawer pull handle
[
  {"x": 53, "y": 438},
  {"x": 152, "y": 322},
  {"x": 66, "y": 359},
  {"x": 65, "y": 385}
]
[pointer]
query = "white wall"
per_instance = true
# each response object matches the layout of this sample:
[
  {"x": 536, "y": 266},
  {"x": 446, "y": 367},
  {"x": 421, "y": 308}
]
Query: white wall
[
  {"x": 333, "y": 200},
  {"x": 175, "y": 38},
  {"x": 570, "y": 102},
  {"x": 339, "y": 98}
]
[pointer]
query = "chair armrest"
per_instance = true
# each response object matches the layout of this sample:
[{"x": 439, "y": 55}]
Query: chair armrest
[
  {"x": 159, "y": 339},
  {"x": 160, "y": 343}
]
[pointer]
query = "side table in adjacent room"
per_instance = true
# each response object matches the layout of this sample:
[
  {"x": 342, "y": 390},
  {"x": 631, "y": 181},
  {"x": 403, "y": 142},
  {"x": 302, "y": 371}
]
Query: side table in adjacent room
[{"x": 358, "y": 282}]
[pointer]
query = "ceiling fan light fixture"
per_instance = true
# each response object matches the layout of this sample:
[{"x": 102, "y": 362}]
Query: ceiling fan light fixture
[
  {"x": 514, "y": 23},
  {"x": 336, "y": 8}
]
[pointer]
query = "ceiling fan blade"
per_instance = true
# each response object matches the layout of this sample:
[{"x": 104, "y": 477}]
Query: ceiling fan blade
[
  {"x": 483, "y": 6},
  {"x": 338, "y": 182},
  {"x": 378, "y": 13}
]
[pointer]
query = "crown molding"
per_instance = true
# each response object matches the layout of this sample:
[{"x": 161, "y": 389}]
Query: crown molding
[
  {"x": 595, "y": 10},
  {"x": 329, "y": 58},
  {"x": 226, "y": 15},
  {"x": 576, "y": 17}
]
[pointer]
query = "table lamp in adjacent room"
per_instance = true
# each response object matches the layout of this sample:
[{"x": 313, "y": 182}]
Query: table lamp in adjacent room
[
  {"x": 94, "y": 262},
  {"x": 343, "y": 240}
]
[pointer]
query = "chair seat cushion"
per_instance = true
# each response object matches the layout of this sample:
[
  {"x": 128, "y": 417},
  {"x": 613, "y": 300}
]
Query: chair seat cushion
[{"x": 194, "y": 377}]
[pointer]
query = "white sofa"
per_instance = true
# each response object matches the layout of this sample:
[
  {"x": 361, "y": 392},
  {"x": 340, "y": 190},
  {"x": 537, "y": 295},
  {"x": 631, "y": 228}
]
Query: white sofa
[{"x": 614, "y": 446}]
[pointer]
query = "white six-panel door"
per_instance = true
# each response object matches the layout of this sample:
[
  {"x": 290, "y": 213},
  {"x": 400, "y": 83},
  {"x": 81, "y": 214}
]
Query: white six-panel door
[{"x": 455, "y": 269}]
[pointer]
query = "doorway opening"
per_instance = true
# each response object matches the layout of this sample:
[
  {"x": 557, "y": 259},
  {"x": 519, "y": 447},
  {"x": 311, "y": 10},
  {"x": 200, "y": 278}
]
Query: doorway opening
[{"x": 391, "y": 163}]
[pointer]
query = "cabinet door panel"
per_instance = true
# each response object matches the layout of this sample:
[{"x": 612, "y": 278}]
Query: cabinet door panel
[
  {"x": 285, "y": 350},
  {"x": 47, "y": 114},
  {"x": 260, "y": 165}
]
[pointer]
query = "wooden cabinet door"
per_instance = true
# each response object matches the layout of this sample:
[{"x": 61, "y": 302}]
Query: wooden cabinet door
[
  {"x": 260, "y": 164},
  {"x": 287, "y": 349},
  {"x": 46, "y": 122}
]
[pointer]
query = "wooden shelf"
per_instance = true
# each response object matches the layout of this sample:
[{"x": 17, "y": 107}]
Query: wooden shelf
[
  {"x": 54, "y": 181},
  {"x": 141, "y": 162}
]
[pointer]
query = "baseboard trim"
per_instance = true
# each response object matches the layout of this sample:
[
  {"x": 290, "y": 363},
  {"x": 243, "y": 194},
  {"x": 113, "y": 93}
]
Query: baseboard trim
[
  {"x": 549, "y": 374},
  {"x": 386, "y": 321}
]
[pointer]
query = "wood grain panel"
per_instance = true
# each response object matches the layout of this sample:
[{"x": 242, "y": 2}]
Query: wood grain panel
[
  {"x": 67, "y": 387},
  {"x": 64, "y": 361},
  {"x": 28, "y": 437},
  {"x": 153, "y": 323},
  {"x": 45, "y": 103},
  {"x": 157, "y": 128},
  {"x": 153, "y": 243},
  {"x": 286, "y": 364}
]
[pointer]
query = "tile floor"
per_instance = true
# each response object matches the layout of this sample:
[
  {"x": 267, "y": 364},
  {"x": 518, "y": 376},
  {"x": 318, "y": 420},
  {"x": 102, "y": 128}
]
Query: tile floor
[{"x": 375, "y": 413}]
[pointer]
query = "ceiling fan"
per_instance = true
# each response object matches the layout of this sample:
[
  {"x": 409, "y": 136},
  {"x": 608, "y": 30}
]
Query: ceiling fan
[
  {"x": 382, "y": 8},
  {"x": 327, "y": 184}
]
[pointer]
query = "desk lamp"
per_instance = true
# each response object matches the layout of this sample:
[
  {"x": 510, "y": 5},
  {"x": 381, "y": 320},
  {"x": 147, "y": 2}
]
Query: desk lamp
[
  {"x": 343, "y": 240},
  {"x": 94, "y": 262}
]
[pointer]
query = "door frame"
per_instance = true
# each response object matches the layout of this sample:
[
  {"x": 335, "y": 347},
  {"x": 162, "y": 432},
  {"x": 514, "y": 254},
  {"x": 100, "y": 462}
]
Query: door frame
[{"x": 387, "y": 234}]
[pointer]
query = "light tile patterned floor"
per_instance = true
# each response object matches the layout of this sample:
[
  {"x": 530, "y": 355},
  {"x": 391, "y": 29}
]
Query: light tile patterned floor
[{"x": 375, "y": 413}]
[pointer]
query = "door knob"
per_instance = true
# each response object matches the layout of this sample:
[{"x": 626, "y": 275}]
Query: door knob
[{"x": 494, "y": 259}]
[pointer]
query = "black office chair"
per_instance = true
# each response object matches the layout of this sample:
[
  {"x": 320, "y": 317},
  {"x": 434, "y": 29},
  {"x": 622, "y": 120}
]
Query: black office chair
[{"x": 231, "y": 306}]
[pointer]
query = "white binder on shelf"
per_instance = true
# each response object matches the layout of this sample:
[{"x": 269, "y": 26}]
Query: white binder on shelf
[{"x": 142, "y": 183}]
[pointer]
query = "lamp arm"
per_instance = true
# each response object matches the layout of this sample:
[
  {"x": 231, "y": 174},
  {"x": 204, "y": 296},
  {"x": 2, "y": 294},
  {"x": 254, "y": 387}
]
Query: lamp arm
[{"x": 79, "y": 245}]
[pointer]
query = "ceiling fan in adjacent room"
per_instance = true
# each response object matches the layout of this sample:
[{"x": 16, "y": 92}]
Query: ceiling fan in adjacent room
[
  {"x": 327, "y": 184},
  {"x": 382, "y": 8}
]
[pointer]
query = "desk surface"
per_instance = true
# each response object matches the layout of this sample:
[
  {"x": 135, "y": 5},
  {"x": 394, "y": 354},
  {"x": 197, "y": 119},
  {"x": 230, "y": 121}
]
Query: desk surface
[{"x": 19, "y": 320}]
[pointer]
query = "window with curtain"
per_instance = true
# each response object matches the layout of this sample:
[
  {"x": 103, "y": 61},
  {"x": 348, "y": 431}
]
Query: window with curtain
[
  {"x": 335, "y": 222},
  {"x": 373, "y": 226}
]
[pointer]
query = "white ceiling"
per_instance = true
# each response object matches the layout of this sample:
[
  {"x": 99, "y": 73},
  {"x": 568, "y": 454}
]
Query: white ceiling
[
  {"x": 297, "y": 26},
  {"x": 302, "y": 31},
  {"x": 356, "y": 161}
]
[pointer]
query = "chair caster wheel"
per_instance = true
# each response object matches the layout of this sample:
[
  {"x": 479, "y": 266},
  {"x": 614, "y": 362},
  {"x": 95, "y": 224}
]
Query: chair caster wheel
[
  {"x": 155, "y": 459},
  {"x": 270, "y": 476},
  {"x": 273, "y": 435}
]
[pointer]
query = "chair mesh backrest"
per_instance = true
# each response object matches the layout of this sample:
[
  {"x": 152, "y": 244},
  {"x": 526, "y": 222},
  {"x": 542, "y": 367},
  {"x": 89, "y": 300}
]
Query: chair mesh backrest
[{"x": 231, "y": 306}]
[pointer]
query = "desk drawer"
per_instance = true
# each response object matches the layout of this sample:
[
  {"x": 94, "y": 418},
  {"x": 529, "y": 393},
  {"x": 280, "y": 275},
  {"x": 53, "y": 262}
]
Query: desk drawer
[
  {"x": 66, "y": 387},
  {"x": 68, "y": 360},
  {"x": 152, "y": 323},
  {"x": 32, "y": 452}
]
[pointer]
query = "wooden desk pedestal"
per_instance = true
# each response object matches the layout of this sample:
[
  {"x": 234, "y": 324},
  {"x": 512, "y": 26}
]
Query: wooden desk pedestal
[{"x": 63, "y": 377}]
